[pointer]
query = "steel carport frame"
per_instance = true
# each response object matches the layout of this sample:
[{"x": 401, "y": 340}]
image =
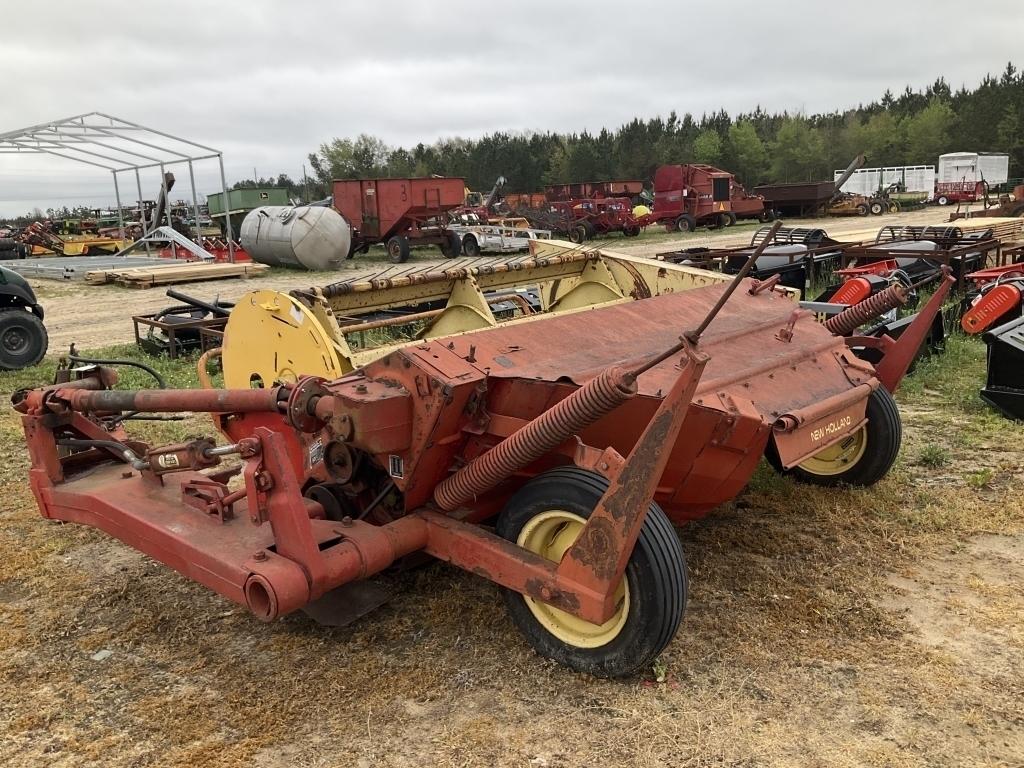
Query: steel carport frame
[{"x": 119, "y": 146}]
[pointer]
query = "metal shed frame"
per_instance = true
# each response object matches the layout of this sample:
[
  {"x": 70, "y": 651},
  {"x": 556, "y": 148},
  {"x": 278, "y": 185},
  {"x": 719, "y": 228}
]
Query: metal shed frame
[{"x": 118, "y": 146}]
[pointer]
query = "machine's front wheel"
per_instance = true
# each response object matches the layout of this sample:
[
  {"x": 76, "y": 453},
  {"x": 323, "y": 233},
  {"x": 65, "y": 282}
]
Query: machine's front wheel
[
  {"x": 578, "y": 234},
  {"x": 686, "y": 223},
  {"x": 864, "y": 457},
  {"x": 546, "y": 516}
]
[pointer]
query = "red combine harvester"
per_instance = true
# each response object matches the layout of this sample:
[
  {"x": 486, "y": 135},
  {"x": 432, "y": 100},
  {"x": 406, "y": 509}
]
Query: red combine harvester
[
  {"x": 686, "y": 196},
  {"x": 582, "y": 435},
  {"x": 400, "y": 213}
]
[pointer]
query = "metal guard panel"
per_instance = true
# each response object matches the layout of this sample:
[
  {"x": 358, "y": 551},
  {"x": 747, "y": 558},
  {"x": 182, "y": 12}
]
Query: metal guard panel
[{"x": 747, "y": 359}]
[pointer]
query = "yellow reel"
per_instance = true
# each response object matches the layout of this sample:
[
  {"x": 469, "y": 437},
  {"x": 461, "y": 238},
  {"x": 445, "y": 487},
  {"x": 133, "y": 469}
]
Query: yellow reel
[{"x": 273, "y": 337}]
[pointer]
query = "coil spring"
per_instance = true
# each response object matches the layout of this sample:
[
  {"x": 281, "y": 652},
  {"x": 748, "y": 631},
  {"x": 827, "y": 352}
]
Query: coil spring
[
  {"x": 851, "y": 318},
  {"x": 583, "y": 407}
]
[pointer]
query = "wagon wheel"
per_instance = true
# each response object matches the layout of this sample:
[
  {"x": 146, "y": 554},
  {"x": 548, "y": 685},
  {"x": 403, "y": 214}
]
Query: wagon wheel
[
  {"x": 671, "y": 226},
  {"x": 470, "y": 246},
  {"x": 722, "y": 220},
  {"x": 943, "y": 200},
  {"x": 877, "y": 209},
  {"x": 862, "y": 210},
  {"x": 398, "y": 249},
  {"x": 766, "y": 215},
  {"x": 862, "y": 458},
  {"x": 732, "y": 218},
  {"x": 894, "y": 207},
  {"x": 451, "y": 245},
  {"x": 545, "y": 516}
]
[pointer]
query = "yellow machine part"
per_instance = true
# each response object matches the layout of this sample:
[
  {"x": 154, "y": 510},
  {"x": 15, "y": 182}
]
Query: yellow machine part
[{"x": 272, "y": 335}]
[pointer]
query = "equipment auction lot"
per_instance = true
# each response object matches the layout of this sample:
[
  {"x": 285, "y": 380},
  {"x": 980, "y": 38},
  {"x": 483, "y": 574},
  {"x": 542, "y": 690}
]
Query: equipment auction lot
[{"x": 825, "y": 627}]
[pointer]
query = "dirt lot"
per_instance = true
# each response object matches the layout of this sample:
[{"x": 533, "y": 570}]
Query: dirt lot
[{"x": 841, "y": 627}]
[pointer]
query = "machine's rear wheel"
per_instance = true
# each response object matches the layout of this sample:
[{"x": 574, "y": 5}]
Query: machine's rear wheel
[
  {"x": 23, "y": 339},
  {"x": 766, "y": 215},
  {"x": 877, "y": 208},
  {"x": 470, "y": 246},
  {"x": 545, "y": 516},
  {"x": 732, "y": 218},
  {"x": 398, "y": 249},
  {"x": 862, "y": 209},
  {"x": 451, "y": 246},
  {"x": 864, "y": 457},
  {"x": 686, "y": 223},
  {"x": 943, "y": 200}
]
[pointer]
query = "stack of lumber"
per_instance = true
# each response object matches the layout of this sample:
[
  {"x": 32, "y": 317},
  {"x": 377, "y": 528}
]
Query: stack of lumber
[
  {"x": 148, "y": 277},
  {"x": 1004, "y": 229}
]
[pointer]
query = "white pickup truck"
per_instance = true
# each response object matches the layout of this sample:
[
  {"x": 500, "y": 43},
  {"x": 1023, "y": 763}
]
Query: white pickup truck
[{"x": 478, "y": 237}]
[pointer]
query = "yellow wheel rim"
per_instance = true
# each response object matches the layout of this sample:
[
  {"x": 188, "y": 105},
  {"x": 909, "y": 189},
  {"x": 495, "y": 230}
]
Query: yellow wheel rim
[
  {"x": 839, "y": 457},
  {"x": 549, "y": 535}
]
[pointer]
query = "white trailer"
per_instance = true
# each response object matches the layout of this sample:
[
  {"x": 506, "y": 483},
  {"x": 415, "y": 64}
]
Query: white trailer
[
  {"x": 972, "y": 167},
  {"x": 868, "y": 181}
]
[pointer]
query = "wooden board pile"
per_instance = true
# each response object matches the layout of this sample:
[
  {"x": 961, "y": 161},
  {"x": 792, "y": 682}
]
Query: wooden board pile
[
  {"x": 148, "y": 277},
  {"x": 1006, "y": 230}
]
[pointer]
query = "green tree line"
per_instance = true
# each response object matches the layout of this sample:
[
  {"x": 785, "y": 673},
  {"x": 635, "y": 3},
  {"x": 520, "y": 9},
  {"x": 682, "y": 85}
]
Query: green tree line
[{"x": 913, "y": 128}]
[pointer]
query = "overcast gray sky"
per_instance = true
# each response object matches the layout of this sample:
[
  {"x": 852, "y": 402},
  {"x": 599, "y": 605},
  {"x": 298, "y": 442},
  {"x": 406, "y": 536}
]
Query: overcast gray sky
[{"x": 267, "y": 82}]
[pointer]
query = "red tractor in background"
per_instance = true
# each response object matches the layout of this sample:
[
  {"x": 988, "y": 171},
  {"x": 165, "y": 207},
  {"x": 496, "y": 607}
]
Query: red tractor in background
[{"x": 686, "y": 196}]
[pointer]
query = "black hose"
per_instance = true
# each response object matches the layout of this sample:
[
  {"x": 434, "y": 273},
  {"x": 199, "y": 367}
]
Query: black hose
[{"x": 76, "y": 358}]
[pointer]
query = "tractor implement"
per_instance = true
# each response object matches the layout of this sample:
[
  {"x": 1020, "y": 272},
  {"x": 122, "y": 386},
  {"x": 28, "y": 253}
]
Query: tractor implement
[{"x": 581, "y": 431}]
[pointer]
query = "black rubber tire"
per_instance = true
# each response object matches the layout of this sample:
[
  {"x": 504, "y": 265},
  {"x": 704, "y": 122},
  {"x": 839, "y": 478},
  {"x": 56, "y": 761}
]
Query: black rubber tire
[
  {"x": 862, "y": 210},
  {"x": 398, "y": 249},
  {"x": 655, "y": 573},
  {"x": 671, "y": 226},
  {"x": 876, "y": 208},
  {"x": 578, "y": 234},
  {"x": 722, "y": 221},
  {"x": 732, "y": 219},
  {"x": 943, "y": 200},
  {"x": 23, "y": 339},
  {"x": 590, "y": 228},
  {"x": 884, "y": 433},
  {"x": 470, "y": 246},
  {"x": 766, "y": 216},
  {"x": 451, "y": 246},
  {"x": 686, "y": 223}
]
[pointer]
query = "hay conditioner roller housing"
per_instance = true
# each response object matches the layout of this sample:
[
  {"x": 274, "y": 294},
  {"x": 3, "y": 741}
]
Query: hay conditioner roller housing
[{"x": 581, "y": 434}]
